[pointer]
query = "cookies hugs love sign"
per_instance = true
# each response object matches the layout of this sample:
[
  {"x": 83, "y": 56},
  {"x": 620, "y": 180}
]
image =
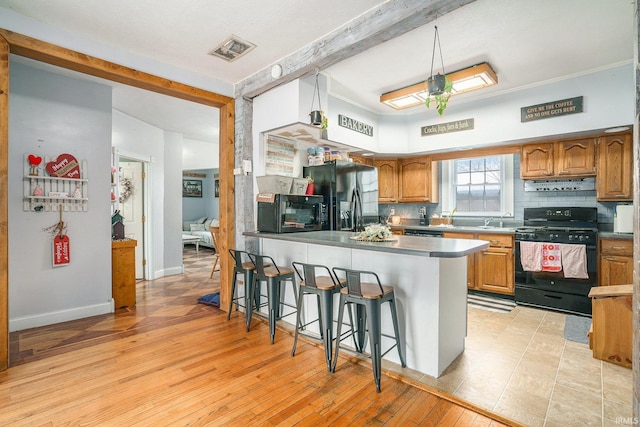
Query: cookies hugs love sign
[{"x": 64, "y": 166}]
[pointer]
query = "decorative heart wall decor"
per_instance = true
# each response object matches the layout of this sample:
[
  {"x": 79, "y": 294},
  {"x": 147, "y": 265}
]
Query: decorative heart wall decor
[
  {"x": 65, "y": 166},
  {"x": 34, "y": 160}
]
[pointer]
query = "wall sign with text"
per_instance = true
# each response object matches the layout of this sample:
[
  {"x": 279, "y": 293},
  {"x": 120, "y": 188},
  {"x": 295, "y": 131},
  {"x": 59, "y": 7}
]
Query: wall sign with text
[
  {"x": 551, "y": 109},
  {"x": 355, "y": 125},
  {"x": 440, "y": 128}
]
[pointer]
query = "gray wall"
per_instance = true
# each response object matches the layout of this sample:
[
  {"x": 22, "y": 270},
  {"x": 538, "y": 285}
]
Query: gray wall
[
  {"x": 50, "y": 115},
  {"x": 207, "y": 205}
]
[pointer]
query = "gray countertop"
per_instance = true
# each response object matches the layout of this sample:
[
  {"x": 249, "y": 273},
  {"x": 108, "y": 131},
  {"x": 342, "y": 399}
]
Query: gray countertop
[
  {"x": 410, "y": 245},
  {"x": 458, "y": 228},
  {"x": 612, "y": 235}
]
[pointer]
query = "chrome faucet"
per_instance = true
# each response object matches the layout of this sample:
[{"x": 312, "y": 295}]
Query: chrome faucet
[{"x": 487, "y": 221}]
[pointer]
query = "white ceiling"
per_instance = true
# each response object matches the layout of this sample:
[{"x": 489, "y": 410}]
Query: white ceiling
[{"x": 526, "y": 42}]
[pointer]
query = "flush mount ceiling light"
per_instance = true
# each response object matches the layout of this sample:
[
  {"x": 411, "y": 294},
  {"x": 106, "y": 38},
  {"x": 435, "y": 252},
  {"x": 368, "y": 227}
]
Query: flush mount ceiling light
[
  {"x": 232, "y": 48},
  {"x": 465, "y": 80}
]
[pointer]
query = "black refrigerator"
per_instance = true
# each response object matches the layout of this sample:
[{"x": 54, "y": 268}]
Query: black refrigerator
[{"x": 350, "y": 194}]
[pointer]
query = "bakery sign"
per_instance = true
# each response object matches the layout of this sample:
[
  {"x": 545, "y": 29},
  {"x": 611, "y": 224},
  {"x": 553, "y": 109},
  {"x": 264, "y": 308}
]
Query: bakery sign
[
  {"x": 355, "y": 125},
  {"x": 551, "y": 109}
]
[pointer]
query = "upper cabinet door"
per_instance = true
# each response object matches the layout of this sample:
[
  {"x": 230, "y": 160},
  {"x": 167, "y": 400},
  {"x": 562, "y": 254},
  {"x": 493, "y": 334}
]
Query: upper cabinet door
[
  {"x": 416, "y": 181},
  {"x": 576, "y": 158},
  {"x": 615, "y": 168},
  {"x": 536, "y": 160},
  {"x": 361, "y": 160},
  {"x": 387, "y": 180}
]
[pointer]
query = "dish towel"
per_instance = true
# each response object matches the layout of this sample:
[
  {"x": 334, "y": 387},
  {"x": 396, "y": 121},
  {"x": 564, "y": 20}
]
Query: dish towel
[
  {"x": 574, "y": 261},
  {"x": 551, "y": 257},
  {"x": 531, "y": 256}
]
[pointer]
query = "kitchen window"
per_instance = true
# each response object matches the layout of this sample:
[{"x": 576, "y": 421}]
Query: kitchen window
[{"x": 479, "y": 186}]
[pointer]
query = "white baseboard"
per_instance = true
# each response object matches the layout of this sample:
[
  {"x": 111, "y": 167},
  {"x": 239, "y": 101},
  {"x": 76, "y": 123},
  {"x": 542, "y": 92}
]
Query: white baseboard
[
  {"x": 44, "y": 319},
  {"x": 170, "y": 272}
]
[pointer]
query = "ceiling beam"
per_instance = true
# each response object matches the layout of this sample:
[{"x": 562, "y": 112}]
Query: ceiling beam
[{"x": 380, "y": 24}]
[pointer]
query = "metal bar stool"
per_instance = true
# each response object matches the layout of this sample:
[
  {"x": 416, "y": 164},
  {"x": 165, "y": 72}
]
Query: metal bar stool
[
  {"x": 274, "y": 276},
  {"x": 369, "y": 296},
  {"x": 246, "y": 268},
  {"x": 313, "y": 281}
]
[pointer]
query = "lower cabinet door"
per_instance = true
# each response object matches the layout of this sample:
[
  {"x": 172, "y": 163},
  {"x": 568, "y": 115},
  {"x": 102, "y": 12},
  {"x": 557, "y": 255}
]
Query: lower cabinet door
[{"x": 494, "y": 270}]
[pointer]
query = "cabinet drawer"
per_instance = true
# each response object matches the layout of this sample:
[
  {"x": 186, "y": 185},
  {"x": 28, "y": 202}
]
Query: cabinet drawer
[
  {"x": 616, "y": 247},
  {"x": 497, "y": 240}
]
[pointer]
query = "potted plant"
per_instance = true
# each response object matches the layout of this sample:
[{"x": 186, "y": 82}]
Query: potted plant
[
  {"x": 317, "y": 117},
  {"x": 440, "y": 91}
]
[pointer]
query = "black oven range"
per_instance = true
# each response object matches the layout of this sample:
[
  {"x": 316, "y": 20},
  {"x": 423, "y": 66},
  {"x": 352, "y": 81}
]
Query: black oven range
[{"x": 556, "y": 258}]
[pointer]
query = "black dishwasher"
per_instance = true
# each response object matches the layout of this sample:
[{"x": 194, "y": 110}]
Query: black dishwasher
[{"x": 422, "y": 232}]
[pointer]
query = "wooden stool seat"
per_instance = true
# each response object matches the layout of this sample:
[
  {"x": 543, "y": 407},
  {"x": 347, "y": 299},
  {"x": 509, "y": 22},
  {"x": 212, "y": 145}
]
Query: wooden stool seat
[
  {"x": 277, "y": 271},
  {"x": 324, "y": 283},
  {"x": 371, "y": 290}
]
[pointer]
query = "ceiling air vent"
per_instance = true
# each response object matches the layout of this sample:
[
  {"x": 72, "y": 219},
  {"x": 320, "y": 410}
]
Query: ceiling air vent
[{"x": 232, "y": 48}]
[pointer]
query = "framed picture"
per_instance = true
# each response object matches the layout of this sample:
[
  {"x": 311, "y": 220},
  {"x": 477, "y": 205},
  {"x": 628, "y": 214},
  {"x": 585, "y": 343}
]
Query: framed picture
[
  {"x": 216, "y": 188},
  {"x": 191, "y": 188}
]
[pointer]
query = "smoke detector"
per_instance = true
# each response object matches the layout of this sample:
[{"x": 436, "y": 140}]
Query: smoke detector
[{"x": 232, "y": 48}]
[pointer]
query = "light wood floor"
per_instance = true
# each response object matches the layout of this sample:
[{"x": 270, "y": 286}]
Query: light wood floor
[{"x": 170, "y": 361}]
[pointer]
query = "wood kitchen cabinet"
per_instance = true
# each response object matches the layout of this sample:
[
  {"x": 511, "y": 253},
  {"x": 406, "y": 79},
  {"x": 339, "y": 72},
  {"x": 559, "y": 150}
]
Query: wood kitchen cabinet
[
  {"x": 407, "y": 180},
  {"x": 615, "y": 262},
  {"x": 575, "y": 158},
  {"x": 416, "y": 180},
  {"x": 387, "y": 180},
  {"x": 492, "y": 269},
  {"x": 572, "y": 158},
  {"x": 536, "y": 160},
  {"x": 615, "y": 168},
  {"x": 123, "y": 273},
  {"x": 363, "y": 160}
]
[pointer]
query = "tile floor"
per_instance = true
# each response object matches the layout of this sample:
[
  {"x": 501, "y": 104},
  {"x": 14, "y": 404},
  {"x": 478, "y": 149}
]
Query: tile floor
[{"x": 519, "y": 365}]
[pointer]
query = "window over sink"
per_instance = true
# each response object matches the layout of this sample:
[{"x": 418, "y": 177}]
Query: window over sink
[{"x": 479, "y": 186}]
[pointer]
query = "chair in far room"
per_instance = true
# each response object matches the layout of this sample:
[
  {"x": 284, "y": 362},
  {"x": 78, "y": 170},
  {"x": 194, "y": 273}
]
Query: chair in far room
[{"x": 216, "y": 257}]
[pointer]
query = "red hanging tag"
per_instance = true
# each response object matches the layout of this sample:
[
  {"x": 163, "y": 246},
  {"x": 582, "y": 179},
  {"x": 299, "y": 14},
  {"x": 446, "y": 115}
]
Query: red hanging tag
[{"x": 61, "y": 254}]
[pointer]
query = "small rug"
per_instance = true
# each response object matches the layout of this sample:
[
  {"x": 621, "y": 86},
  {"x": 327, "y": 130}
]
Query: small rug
[
  {"x": 576, "y": 328},
  {"x": 210, "y": 299},
  {"x": 497, "y": 305}
]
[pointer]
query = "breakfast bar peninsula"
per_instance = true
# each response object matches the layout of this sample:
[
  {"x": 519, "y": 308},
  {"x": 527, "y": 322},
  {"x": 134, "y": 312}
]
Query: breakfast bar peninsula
[{"x": 429, "y": 275}]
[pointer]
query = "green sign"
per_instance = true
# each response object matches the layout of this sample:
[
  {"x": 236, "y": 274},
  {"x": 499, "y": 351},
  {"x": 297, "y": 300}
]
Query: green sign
[
  {"x": 551, "y": 109},
  {"x": 457, "y": 126}
]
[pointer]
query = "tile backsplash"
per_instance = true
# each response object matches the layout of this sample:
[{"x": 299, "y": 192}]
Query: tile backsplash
[{"x": 522, "y": 199}]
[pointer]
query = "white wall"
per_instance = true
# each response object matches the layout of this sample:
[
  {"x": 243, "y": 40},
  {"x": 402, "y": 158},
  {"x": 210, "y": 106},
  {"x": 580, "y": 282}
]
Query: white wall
[
  {"x": 171, "y": 222},
  {"x": 199, "y": 154},
  {"x": 609, "y": 98},
  {"x": 51, "y": 115},
  {"x": 138, "y": 138}
]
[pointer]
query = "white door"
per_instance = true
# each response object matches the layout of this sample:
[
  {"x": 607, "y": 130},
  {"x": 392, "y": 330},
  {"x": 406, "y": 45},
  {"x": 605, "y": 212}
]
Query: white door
[{"x": 132, "y": 207}]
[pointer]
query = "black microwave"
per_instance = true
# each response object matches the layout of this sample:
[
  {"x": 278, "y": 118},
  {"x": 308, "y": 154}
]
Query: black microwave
[{"x": 291, "y": 213}]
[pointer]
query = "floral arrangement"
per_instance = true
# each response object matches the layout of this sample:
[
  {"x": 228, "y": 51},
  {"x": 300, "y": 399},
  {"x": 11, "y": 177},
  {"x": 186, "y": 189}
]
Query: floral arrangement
[{"x": 375, "y": 233}]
